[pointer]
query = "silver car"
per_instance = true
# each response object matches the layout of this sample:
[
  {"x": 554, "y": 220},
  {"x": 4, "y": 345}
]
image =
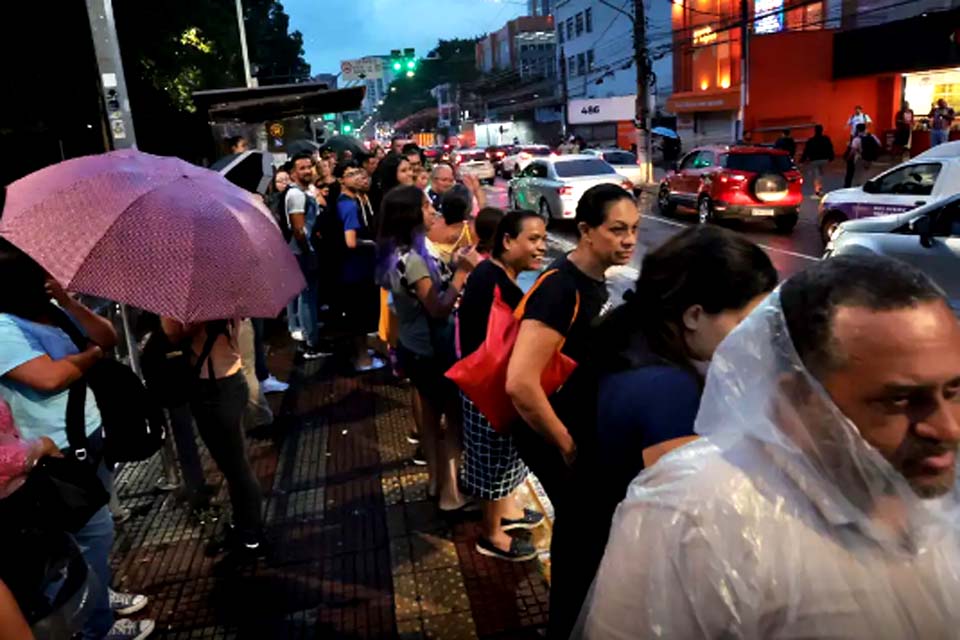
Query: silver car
[
  {"x": 474, "y": 162},
  {"x": 624, "y": 162},
  {"x": 927, "y": 237},
  {"x": 553, "y": 186}
]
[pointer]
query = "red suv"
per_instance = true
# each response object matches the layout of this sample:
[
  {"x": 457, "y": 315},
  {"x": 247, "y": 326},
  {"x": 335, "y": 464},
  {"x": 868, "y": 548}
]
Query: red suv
[{"x": 735, "y": 182}]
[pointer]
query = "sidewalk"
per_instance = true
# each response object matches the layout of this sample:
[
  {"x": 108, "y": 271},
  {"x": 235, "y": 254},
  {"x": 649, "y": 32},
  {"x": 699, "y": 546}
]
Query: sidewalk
[{"x": 358, "y": 549}]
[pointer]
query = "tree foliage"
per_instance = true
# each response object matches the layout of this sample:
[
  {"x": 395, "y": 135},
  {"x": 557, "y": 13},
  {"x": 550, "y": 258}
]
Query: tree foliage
[
  {"x": 452, "y": 61},
  {"x": 172, "y": 49}
]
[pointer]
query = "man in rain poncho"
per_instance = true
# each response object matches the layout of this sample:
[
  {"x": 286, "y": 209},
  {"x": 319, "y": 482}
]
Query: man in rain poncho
[{"x": 821, "y": 499}]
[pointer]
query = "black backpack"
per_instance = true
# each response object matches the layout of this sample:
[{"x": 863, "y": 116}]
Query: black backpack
[
  {"x": 132, "y": 420},
  {"x": 167, "y": 368},
  {"x": 278, "y": 207},
  {"x": 869, "y": 147}
]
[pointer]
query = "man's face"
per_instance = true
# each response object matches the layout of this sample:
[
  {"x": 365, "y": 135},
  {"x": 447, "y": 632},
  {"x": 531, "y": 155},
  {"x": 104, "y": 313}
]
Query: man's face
[
  {"x": 415, "y": 161},
  {"x": 240, "y": 146},
  {"x": 303, "y": 172},
  {"x": 443, "y": 180},
  {"x": 941, "y": 103},
  {"x": 898, "y": 381},
  {"x": 857, "y": 111},
  {"x": 354, "y": 179},
  {"x": 370, "y": 165}
]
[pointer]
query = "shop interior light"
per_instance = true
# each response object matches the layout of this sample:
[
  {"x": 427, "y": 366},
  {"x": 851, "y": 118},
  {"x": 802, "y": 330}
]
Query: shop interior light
[{"x": 704, "y": 85}]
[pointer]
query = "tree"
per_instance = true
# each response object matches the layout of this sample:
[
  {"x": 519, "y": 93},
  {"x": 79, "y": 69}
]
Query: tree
[
  {"x": 452, "y": 61},
  {"x": 172, "y": 49}
]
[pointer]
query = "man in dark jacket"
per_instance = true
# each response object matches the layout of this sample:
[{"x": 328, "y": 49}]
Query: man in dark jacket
[
  {"x": 817, "y": 153},
  {"x": 786, "y": 143}
]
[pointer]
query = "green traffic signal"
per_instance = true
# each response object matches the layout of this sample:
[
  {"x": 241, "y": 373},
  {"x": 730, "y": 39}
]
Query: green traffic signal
[
  {"x": 411, "y": 64},
  {"x": 396, "y": 65},
  {"x": 346, "y": 128}
]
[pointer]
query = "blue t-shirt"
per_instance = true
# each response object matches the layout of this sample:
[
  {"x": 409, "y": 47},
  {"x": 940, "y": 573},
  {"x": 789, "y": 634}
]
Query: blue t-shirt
[
  {"x": 38, "y": 413},
  {"x": 638, "y": 409},
  {"x": 358, "y": 263},
  {"x": 299, "y": 201}
]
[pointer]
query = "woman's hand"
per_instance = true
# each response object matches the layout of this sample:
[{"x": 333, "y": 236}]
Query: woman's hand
[
  {"x": 56, "y": 291},
  {"x": 48, "y": 448},
  {"x": 467, "y": 259}
]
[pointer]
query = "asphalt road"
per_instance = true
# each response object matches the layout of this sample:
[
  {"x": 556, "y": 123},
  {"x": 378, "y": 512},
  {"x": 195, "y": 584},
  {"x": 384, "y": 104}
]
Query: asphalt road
[{"x": 789, "y": 252}]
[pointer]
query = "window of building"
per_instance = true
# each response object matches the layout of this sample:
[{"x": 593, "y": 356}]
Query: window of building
[
  {"x": 572, "y": 66},
  {"x": 804, "y": 18},
  {"x": 560, "y": 33},
  {"x": 588, "y": 18},
  {"x": 569, "y": 28},
  {"x": 579, "y": 23},
  {"x": 581, "y": 64},
  {"x": 523, "y": 48},
  {"x": 590, "y": 60}
]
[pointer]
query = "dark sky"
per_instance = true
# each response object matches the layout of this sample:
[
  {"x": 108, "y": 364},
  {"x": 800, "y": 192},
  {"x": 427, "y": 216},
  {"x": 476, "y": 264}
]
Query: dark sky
[{"x": 335, "y": 30}]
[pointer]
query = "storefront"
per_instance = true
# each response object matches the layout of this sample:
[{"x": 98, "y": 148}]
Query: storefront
[
  {"x": 707, "y": 117},
  {"x": 603, "y": 122}
]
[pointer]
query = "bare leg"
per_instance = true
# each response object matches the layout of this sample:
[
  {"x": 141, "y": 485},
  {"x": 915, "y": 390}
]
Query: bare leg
[
  {"x": 451, "y": 448},
  {"x": 493, "y": 512},
  {"x": 430, "y": 444}
]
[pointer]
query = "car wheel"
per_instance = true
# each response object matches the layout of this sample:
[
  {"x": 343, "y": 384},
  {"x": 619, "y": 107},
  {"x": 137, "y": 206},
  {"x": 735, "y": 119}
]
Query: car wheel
[
  {"x": 786, "y": 223},
  {"x": 545, "y": 211},
  {"x": 705, "y": 213},
  {"x": 664, "y": 203},
  {"x": 830, "y": 223}
]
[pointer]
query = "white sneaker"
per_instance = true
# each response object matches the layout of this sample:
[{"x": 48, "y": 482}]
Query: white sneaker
[
  {"x": 272, "y": 385},
  {"x": 126, "y": 604},
  {"x": 298, "y": 335},
  {"x": 131, "y": 630}
]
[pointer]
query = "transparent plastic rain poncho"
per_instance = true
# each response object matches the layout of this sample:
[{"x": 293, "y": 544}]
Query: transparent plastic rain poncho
[{"x": 770, "y": 525}]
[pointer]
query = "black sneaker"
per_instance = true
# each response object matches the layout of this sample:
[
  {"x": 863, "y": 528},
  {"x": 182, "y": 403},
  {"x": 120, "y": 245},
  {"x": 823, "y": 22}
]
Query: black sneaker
[
  {"x": 241, "y": 555},
  {"x": 419, "y": 459},
  {"x": 225, "y": 540},
  {"x": 520, "y": 550},
  {"x": 312, "y": 353},
  {"x": 413, "y": 437},
  {"x": 531, "y": 520}
]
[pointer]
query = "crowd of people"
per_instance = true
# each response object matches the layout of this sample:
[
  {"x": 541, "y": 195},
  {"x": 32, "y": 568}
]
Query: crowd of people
[{"x": 731, "y": 456}]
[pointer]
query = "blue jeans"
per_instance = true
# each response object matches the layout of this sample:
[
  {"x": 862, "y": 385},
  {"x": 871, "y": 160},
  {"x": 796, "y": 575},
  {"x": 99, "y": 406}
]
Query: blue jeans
[
  {"x": 939, "y": 136},
  {"x": 309, "y": 319},
  {"x": 95, "y": 540}
]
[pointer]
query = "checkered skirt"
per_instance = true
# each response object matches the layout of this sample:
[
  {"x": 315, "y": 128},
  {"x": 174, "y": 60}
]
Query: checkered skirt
[{"x": 491, "y": 467}]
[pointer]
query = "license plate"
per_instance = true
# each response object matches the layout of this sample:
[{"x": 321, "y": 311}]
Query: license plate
[{"x": 762, "y": 212}]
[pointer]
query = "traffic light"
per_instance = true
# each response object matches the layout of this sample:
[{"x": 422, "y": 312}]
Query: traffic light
[
  {"x": 404, "y": 61},
  {"x": 346, "y": 128}
]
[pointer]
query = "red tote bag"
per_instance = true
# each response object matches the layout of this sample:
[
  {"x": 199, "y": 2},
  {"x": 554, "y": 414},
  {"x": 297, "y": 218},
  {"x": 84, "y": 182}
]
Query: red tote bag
[{"x": 482, "y": 376}]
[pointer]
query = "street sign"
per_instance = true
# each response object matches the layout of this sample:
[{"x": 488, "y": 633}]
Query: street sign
[{"x": 361, "y": 69}]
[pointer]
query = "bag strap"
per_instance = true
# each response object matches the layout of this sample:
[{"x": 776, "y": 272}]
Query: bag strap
[
  {"x": 212, "y": 336},
  {"x": 77, "y": 419},
  {"x": 521, "y": 308}
]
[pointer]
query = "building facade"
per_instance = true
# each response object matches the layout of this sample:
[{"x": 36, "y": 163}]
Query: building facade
[
  {"x": 540, "y": 7},
  {"x": 502, "y": 49},
  {"x": 596, "y": 57},
  {"x": 810, "y": 62}
]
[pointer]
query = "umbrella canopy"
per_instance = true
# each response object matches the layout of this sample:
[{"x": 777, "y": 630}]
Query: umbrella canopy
[
  {"x": 339, "y": 144},
  {"x": 155, "y": 233},
  {"x": 302, "y": 146},
  {"x": 251, "y": 170},
  {"x": 665, "y": 132}
]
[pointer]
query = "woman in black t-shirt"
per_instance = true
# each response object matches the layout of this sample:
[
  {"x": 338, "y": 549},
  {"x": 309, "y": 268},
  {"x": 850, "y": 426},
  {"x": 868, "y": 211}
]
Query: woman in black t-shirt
[
  {"x": 492, "y": 469},
  {"x": 559, "y": 315}
]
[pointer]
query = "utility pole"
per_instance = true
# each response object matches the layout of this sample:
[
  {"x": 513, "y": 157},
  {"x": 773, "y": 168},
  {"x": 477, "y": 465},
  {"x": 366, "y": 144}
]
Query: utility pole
[
  {"x": 243, "y": 46},
  {"x": 113, "y": 85},
  {"x": 641, "y": 60},
  {"x": 744, "y": 67},
  {"x": 563, "y": 87}
]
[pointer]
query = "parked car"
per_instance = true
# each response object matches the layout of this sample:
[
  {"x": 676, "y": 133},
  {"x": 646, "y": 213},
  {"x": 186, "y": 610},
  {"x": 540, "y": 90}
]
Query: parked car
[
  {"x": 927, "y": 237},
  {"x": 553, "y": 185},
  {"x": 521, "y": 157},
  {"x": 474, "y": 162},
  {"x": 929, "y": 177},
  {"x": 624, "y": 162},
  {"x": 742, "y": 182}
]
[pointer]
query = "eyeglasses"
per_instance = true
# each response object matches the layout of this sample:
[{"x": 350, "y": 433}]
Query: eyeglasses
[{"x": 353, "y": 173}]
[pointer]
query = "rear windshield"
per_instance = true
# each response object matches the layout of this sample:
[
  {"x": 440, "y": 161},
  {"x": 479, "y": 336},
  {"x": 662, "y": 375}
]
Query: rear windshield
[
  {"x": 537, "y": 151},
  {"x": 473, "y": 155},
  {"x": 758, "y": 162},
  {"x": 620, "y": 157},
  {"x": 587, "y": 167}
]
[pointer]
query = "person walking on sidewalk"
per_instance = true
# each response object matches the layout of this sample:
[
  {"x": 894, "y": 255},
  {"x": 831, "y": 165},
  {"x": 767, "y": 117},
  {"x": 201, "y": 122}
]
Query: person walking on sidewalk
[
  {"x": 903, "y": 138},
  {"x": 941, "y": 119},
  {"x": 423, "y": 304},
  {"x": 863, "y": 151},
  {"x": 817, "y": 154},
  {"x": 492, "y": 469},
  {"x": 859, "y": 117},
  {"x": 786, "y": 143}
]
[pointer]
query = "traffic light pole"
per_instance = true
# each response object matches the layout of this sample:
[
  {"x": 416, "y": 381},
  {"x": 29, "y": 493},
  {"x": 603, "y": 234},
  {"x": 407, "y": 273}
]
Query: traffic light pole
[{"x": 642, "y": 62}]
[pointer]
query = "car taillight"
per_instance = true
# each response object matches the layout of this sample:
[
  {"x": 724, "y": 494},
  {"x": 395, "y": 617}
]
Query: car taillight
[
  {"x": 565, "y": 190},
  {"x": 500, "y": 154},
  {"x": 626, "y": 184},
  {"x": 725, "y": 178}
]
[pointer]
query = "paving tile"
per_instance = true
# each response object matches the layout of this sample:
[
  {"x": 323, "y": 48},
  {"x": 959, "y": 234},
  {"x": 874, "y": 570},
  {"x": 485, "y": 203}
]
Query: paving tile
[
  {"x": 392, "y": 489},
  {"x": 414, "y": 485},
  {"x": 405, "y": 598},
  {"x": 432, "y": 551},
  {"x": 410, "y": 629},
  {"x": 455, "y": 626},
  {"x": 396, "y": 521},
  {"x": 400, "y": 557},
  {"x": 442, "y": 591}
]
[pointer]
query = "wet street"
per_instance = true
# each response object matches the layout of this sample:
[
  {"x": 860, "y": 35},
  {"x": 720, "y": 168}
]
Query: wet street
[{"x": 789, "y": 252}]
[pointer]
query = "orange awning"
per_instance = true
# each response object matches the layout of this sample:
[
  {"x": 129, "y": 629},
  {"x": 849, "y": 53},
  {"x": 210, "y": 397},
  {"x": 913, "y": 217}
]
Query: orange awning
[{"x": 716, "y": 100}]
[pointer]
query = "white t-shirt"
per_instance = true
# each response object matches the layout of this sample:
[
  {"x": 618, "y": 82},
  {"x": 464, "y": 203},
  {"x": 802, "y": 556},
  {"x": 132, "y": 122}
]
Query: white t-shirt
[{"x": 855, "y": 119}]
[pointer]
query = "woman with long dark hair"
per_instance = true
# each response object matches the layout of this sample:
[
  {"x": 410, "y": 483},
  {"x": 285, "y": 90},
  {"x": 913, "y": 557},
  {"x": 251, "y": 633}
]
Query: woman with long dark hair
[
  {"x": 423, "y": 302},
  {"x": 393, "y": 171},
  {"x": 651, "y": 357},
  {"x": 492, "y": 468}
]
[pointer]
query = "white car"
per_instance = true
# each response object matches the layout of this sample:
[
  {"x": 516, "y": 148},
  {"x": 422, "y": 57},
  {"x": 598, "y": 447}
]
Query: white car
[
  {"x": 624, "y": 162},
  {"x": 474, "y": 162},
  {"x": 520, "y": 158},
  {"x": 931, "y": 176},
  {"x": 553, "y": 186},
  {"x": 927, "y": 237}
]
